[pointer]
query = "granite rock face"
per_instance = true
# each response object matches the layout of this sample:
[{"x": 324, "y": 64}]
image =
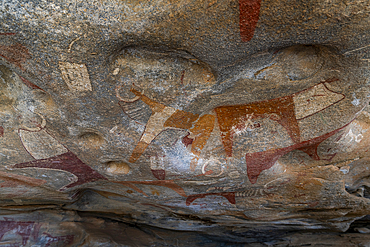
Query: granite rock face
[{"x": 160, "y": 123}]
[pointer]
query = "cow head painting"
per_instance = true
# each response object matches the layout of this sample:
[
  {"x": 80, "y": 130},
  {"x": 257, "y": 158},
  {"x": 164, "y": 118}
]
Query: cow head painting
[{"x": 316, "y": 97}]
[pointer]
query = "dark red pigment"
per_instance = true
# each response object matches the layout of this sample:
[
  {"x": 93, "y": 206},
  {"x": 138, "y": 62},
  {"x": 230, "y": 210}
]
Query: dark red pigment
[
  {"x": 280, "y": 110},
  {"x": 257, "y": 162},
  {"x": 24, "y": 229},
  {"x": 249, "y": 14},
  {"x": 159, "y": 174},
  {"x": 187, "y": 141},
  {"x": 7, "y": 34},
  {"x": 30, "y": 84},
  {"x": 16, "y": 54},
  {"x": 66, "y": 162}
]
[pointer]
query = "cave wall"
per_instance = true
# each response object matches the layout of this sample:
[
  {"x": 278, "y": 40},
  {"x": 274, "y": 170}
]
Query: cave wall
[{"x": 184, "y": 123}]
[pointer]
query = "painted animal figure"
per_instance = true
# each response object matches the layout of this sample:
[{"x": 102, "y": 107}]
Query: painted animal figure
[
  {"x": 50, "y": 154},
  {"x": 287, "y": 111},
  {"x": 164, "y": 118}
]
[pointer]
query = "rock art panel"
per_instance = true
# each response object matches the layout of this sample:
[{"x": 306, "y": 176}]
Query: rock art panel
[
  {"x": 167, "y": 118},
  {"x": 219, "y": 117},
  {"x": 50, "y": 154},
  {"x": 286, "y": 111},
  {"x": 46, "y": 151}
]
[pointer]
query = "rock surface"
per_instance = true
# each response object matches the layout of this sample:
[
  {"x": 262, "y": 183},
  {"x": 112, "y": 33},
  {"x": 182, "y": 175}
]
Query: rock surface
[{"x": 184, "y": 123}]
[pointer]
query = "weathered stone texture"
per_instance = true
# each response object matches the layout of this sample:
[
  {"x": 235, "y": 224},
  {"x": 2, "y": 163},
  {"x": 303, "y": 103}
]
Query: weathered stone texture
[{"x": 184, "y": 123}]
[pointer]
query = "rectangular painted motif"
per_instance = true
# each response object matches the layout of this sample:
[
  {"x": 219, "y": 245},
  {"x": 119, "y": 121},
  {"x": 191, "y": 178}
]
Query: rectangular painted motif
[{"x": 75, "y": 76}]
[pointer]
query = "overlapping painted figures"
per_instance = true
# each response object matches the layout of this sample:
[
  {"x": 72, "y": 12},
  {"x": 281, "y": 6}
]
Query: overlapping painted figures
[
  {"x": 204, "y": 113},
  {"x": 215, "y": 144}
]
